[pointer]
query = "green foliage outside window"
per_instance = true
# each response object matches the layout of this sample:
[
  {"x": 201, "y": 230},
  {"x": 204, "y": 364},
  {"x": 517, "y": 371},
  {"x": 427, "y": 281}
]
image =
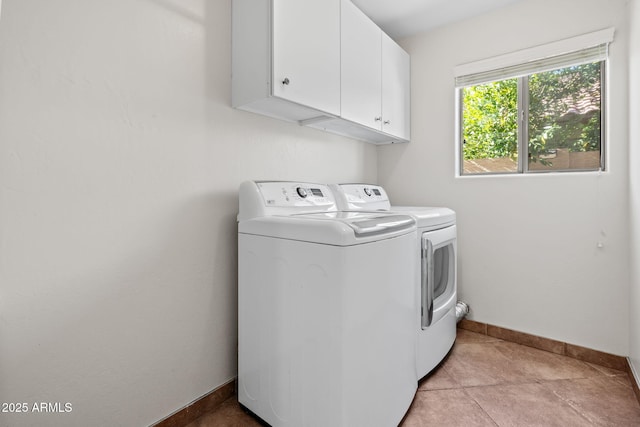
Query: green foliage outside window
[
  {"x": 490, "y": 120},
  {"x": 564, "y": 111}
]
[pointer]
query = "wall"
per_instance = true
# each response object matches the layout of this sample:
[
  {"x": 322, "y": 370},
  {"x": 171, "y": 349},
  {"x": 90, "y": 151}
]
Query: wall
[
  {"x": 634, "y": 193},
  {"x": 529, "y": 259},
  {"x": 120, "y": 160}
]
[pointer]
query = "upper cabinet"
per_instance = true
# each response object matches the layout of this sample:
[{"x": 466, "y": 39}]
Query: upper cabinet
[
  {"x": 375, "y": 76},
  {"x": 361, "y": 68},
  {"x": 306, "y": 56},
  {"x": 286, "y": 57},
  {"x": 396, "y": 89},
  {"x": 321, "y": 63}
]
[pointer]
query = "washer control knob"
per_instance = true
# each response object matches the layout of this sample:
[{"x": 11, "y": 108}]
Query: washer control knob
[
  {"x": 301, "y": 192},
  {"x": 367, "y": 191}
]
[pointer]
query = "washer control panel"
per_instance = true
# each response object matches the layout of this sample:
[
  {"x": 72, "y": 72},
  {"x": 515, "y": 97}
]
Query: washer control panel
[
  {"x": 285, "y": 194},
  {"x": 264, "y": 198}
]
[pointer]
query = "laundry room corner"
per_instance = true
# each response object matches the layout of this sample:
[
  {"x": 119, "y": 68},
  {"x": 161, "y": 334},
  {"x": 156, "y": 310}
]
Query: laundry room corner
[
  {"x": 634, "y": 190},
  {"x": 539, "y": 254}
]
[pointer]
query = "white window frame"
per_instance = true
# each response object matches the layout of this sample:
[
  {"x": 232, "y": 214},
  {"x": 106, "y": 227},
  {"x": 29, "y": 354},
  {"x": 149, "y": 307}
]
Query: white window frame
[{"x": 583, "y": 49}]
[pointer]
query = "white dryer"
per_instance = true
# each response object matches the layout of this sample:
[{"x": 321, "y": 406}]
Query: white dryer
[
  {"x": 325, "y": 309},
  {"x": 435, "y": 274}
]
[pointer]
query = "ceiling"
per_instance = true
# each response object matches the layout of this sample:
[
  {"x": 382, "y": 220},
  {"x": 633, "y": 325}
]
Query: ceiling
[{"x": 401, "y": 18}]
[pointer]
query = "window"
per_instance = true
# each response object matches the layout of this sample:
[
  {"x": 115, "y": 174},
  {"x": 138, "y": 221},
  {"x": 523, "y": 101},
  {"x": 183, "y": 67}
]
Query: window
[{"x": 534, "y": 116}]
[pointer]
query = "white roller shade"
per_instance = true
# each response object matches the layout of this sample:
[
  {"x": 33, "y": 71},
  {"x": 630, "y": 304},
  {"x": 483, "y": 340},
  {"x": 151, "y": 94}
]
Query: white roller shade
[{"x": 584, "y": 49}]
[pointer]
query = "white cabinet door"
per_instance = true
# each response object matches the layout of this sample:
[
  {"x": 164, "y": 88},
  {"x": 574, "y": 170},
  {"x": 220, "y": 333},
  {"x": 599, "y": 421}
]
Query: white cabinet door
[
  {"x": 396, "y": 102},
  {"x": 361, "y": 68},
  {"x": 375, "y": 76},
  {"x": 306, "y": 53}
]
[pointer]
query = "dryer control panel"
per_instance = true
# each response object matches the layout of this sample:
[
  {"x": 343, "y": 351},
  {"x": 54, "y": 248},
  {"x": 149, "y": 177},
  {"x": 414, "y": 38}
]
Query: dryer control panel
[
  {"x": 266, "y": 198},
  {"x": 361, "y": 197}
]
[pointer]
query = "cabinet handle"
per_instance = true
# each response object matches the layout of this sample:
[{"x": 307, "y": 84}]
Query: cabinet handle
[
  {"x": 378, "y": 119},
  {"x": 285, "y": 81},
  {"x": 386, "y": 122}
]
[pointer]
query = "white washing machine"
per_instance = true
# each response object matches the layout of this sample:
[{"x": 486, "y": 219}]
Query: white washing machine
[
  {"x": 436, "y": 266},
  {"x": 325, "y": 309}
]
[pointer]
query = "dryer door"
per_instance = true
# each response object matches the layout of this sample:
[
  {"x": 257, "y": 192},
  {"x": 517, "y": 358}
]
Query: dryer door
[{"x": 438, "y": 274}]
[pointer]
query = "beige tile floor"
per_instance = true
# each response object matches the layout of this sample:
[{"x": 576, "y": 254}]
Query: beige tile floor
[{"x": 489, "y": 382}]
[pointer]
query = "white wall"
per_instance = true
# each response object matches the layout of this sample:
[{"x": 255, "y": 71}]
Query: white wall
[
  {"x": 529, "y": 259},
  {"x": 120, "y": 160},
  {"x": 634, "y": 193}
]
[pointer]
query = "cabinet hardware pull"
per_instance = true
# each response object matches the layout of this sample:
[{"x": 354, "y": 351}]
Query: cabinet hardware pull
[
  {"x": 285, "y": 81},
  {"x": 378, "y": 119},
  {"x": 386, "y": 122}
]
